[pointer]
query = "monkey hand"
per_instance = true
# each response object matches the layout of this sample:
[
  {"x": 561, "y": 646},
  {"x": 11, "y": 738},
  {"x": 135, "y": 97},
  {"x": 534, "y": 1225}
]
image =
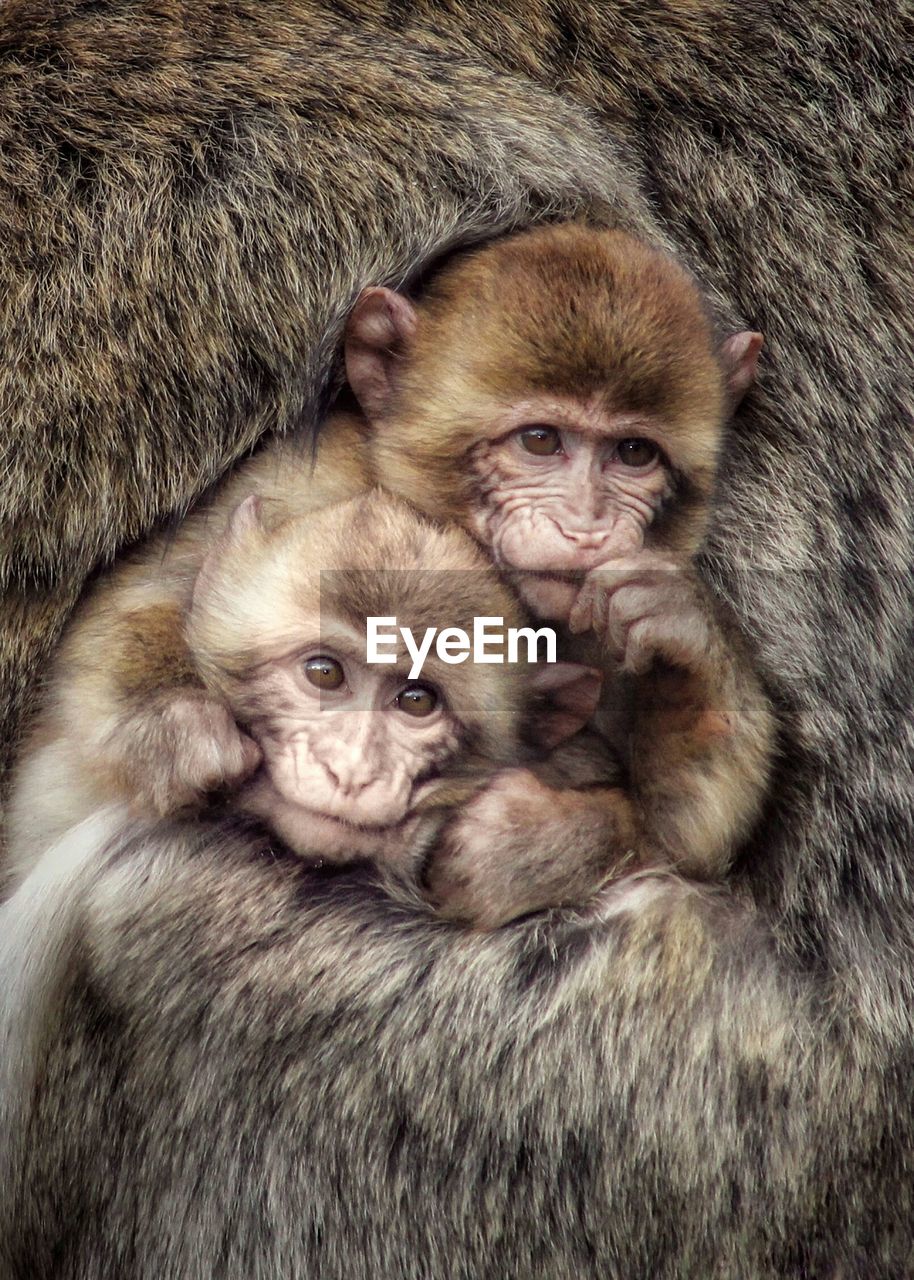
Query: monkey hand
[
  {"x": 521, "y": 846},
  {"x": 648, "y": 608},
  {"x": 186, "y": 746}
]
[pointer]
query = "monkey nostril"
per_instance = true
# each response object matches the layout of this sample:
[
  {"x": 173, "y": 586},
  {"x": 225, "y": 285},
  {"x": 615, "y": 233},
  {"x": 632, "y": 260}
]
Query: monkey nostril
[
  {"x": 589, "y": 537},
  {"x": 584, "y": 537}
]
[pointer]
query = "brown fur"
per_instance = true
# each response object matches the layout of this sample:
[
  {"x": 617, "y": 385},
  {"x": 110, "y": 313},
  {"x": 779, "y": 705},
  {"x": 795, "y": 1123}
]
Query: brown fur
[
  {"x": 564, "y": 309},
  {"x": 151, "y": 654},
  {"x": 713, "y": 1085}
]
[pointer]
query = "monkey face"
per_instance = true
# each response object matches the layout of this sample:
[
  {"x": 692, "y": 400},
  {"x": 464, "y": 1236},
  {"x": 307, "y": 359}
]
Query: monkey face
[
  {"x": 347, "y": 741},
  {"x": 565, "y": 491},
  {"x": 556, "y": 393}
]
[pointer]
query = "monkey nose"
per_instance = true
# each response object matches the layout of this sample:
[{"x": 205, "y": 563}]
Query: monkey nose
[
  {"x": 350, "y": 760},
  {"x": 589, "y": 539},
  {"x": 349, "y": 774}
]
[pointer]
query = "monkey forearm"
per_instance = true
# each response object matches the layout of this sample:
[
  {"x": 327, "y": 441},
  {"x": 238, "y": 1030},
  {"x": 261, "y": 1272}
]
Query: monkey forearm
[
  {"x": 700, "y": 759},
  {"x": 121, "y": 702},
  {"x": 603, "y": 1067}
]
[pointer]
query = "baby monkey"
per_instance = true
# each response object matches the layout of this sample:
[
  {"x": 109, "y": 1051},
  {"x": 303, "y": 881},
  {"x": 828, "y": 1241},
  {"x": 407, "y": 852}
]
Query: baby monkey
[
  {"x": 353, "y": 754},
  {"x": 561, "y": 395},
  {"x": 344, "y": 759}
]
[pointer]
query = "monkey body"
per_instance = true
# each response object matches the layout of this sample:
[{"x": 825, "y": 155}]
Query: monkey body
[
  {"x": 126, "y": 717},
  {"x": 593, "y": 395},
  {"x": 560, "y": 459},
  {"x": 192, "y": 197},
  {"x": 352, "y": 752}
]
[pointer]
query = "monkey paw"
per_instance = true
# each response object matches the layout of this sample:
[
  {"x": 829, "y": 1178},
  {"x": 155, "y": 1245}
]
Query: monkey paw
[
  {"x": 519, "y": 846},
  {"x": 189, "y": 746},
  {"x": 648, "y": 608}
]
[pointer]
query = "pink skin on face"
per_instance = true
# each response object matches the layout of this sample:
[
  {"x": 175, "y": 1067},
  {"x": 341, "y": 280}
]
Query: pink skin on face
[
  {"x": 569, "y": 511},
  {"x": 341, "y": 767}
]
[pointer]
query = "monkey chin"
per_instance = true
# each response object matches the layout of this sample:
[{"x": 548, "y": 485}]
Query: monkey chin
[
  {"x": 550, "y": 596},
  {"x": 309, "y": 833}
]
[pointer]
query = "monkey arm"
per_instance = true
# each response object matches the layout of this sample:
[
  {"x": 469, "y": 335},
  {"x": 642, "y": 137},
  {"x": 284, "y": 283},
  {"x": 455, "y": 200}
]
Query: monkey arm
[
  {"x": 536, "y": 837},
  {"x": 697, "y": 744},
  {"x": 125, "y": 716},
  {"x": 244, "y": 1059},
  {"x": 700, "y": 755},
  {"x": 526, "y": 843},
  {"x": 685, "y": 708}
]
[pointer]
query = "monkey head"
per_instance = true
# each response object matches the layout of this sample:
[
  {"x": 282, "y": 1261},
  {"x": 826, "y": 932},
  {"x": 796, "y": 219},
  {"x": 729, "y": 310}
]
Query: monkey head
[
  {"x": 559, "y": 393},
  {"x": 352, "y": 750}
]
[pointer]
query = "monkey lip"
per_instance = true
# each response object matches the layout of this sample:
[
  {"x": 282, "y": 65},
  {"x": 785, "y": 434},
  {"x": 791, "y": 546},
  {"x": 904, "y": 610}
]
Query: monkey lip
[
  {"x": 572, "y": 576},
  {"x": 533, "y": 578},
  {"x": 321, "y": 815}
]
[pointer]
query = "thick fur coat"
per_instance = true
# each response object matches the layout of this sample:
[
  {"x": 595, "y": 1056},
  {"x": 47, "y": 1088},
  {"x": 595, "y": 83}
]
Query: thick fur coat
[{"x": 249, "y": 1069}]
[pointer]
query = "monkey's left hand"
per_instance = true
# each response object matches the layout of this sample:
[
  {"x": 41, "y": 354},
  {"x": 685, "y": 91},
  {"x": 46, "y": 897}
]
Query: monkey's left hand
[
  {"x": 649, "y": 607},
  {"x": 521, "y": 846}
]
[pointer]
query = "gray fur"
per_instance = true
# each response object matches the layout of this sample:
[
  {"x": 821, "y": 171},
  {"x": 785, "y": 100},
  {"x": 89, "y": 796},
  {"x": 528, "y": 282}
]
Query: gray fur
[{"x": 258, "y": 1071}]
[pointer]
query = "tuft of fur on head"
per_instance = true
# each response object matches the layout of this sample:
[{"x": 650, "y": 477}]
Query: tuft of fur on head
[
  {"x": 566, "y": 309},
  {"x": 266, "y": 592}
]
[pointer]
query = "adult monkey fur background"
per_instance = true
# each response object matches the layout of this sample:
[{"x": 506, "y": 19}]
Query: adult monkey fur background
[{"x": 188, "y": 201}]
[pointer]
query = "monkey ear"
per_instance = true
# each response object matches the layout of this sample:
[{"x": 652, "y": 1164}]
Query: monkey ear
[
  {"x": 571, "y": 693},
  {"x": 739, "y": 354},
  {"x": 380, "y": 327},
  {"x": 244, "y": 522},
  {"x": 246, "y": 519}
]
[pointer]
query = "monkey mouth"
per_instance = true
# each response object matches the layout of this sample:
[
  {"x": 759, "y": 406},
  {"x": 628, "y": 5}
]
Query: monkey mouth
[
  {"x": 348, "y": 824},
  {"x": 537, "y": 577},
  {"x": 572, "y": 576}
]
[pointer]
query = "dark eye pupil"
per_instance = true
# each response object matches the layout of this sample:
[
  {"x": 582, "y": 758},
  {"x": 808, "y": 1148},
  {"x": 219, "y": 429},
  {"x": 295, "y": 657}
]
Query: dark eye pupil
[
  {"x": 540, "y": 440},
  {"x": 324, "y": 673},
  {"x": 417, "y": 700},
  {"x": 636, "y": 453}
]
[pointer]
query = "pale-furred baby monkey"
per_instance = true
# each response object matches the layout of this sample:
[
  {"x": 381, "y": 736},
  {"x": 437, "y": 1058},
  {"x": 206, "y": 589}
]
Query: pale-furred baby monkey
[
  {"x": 343, "y": 759},
  {"x": 560, "y": 394},
  {"x": 355, "y": 755}
]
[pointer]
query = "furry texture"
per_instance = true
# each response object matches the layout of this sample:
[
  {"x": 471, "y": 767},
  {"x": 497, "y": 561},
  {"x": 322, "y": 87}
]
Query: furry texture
[
  {"x": 318, "y": 1080},
  {"x": 198, "y": 197},
  {"x": 562, "y": 311}
]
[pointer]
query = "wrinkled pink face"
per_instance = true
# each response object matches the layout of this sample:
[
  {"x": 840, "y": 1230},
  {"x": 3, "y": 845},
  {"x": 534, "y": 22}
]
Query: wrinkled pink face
[
  {"x": 565, "y": 488},
  {"x": 347, "y": 749}
]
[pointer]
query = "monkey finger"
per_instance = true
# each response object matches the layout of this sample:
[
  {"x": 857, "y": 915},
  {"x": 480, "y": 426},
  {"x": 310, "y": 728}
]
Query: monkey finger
[
  {"x": 251, "y": 756},
  {"x": 630, "y": 606},
  {"x": 580, "y": 619},
  {"x": 676, "y": 639}
]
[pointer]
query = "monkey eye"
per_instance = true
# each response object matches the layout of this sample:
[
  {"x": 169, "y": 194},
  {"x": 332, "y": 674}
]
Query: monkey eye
[
  {"x": 637, "y": 452},
  {"x": 417, "y": 700},
  {"x": 324, "y": 672},
  {"x": 542, "y": 441}
]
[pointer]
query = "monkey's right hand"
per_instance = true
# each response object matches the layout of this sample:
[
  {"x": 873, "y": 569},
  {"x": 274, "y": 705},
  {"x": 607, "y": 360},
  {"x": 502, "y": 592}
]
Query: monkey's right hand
[
  {"x": 521, "y": 846},
  {"x": 171, "y": 756},
  {"x": 649, "y": 607}
]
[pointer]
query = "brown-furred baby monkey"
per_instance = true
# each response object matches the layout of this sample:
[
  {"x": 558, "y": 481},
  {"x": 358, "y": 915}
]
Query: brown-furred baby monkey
[
  {"x": 561, "y": 395},
  {"x": 354, "y": 754}
]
